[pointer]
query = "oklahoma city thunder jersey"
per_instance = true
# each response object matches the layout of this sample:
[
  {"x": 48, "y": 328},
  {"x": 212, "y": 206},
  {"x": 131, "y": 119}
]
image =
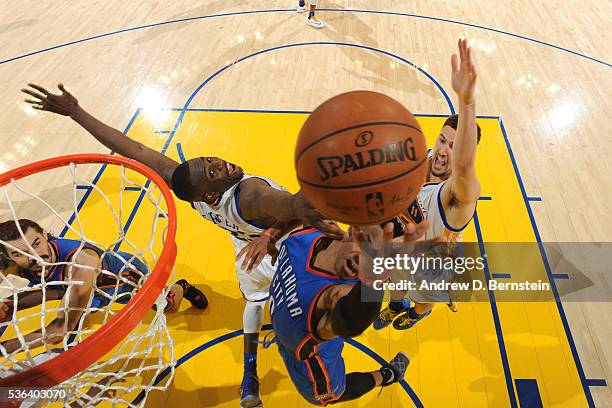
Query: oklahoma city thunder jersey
[
  {"x": 226, "y": 213},
  {"x": 315, "y": 366},
  {"x": 66, "y": 248}
]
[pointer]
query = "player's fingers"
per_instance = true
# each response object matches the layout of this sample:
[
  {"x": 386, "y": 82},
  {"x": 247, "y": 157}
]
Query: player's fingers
[
  {"x": 246, "y": 256},
  {"x": 39, "y": 88},
  {"x": 330, "y": 228},
  {"x": 274, "y": 256},
  {"x": 242, "y": 252},
  {"x": 454, "y": 63},
  {"x": 358, "y": 234},
  {"x": 34, "y": 94},
  {"x": 388, "y": 232},
  {"x": 63, "y": 89},
  {"x": 260, "y": 256}
]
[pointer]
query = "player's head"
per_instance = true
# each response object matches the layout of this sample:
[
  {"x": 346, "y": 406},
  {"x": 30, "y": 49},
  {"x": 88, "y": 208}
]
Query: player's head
[
  {"x": 201, "y": 178},
  {"x": 353, "y": 311},
  {"x": 441, "y": 161},
  {"x": 34, "y": 235}
]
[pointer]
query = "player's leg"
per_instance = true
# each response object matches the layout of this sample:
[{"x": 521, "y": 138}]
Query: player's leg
[
  {"x": 396, "y": 306},
  {"x": 138, "y": 269},
  {"x": 312, "y": 21},
  {"x": 255, "y": 287},
  {"x": 252, "y": 321},
  {"x": 414, "y": 315},
  {"x": 359, "y": 384}
]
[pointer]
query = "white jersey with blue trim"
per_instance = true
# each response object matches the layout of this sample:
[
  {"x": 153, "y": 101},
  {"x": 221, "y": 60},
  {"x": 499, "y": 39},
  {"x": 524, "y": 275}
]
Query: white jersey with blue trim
[
  {"x": 226, "y": 212},
  {"x": 428, "y": 206}
]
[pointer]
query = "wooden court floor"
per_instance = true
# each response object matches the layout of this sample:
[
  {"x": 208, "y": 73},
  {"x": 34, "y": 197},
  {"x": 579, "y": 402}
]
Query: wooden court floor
[{"x": 236, "y": 80}]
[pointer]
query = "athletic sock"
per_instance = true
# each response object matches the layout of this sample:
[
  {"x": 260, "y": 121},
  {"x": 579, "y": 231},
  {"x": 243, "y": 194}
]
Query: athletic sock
[
  {"x": 250, "y": 363},
  {"x": 396, "y": 306},
  {"x": 310, "y": 14},
  {"x": 302, "y": 3}
]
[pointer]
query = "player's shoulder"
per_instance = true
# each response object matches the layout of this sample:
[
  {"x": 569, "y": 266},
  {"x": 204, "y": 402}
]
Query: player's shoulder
[{"x": 303, "y": 236}]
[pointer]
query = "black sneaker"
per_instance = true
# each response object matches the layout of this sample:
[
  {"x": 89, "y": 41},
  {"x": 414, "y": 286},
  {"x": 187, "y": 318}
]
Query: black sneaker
[
  {"x": 399, "y": 365},
  {"x": 194, "y": 295}
]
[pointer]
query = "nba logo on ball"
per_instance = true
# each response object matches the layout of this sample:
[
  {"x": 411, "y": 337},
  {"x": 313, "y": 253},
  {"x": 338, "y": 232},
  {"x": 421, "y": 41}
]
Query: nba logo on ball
[{"x": 361, "y": 158}]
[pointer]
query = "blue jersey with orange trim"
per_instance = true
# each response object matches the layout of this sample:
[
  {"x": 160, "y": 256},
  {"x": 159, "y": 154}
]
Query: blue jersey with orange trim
[
  {"x": 316, "y": 367},
  {"x": 130, "y": 268}
]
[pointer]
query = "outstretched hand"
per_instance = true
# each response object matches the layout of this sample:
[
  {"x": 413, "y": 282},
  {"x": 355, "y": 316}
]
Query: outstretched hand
[
  {"x": 464, "y": 73},
  {"x": 64, "y": 104},
  {"x": 310, "y": 216},
  {"x": 255, "y": 251}
]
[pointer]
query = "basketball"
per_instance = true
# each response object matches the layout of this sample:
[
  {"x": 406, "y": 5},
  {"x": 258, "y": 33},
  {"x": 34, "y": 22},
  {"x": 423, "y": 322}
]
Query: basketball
[{"x": 361, "y": 158}]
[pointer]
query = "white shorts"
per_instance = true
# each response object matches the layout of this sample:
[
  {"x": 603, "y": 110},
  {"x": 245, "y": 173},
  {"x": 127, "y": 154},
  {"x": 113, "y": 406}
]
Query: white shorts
[{"x": 254, "y": 284}]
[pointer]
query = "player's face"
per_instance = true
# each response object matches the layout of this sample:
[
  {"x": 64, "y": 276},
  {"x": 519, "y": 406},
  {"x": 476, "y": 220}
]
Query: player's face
[
  {"x": 38, "y": 241},
  {"x": 442, "y": 154},
  {"x": 347, "y": 258},
  {"x": 213, "y": 175}
]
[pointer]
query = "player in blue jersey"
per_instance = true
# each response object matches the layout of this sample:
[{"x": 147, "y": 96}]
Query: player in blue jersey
[
  {"x": 316, "y": 301},
  {"x": 123, "y": 274},
  {"x": 243, "y": 204}
]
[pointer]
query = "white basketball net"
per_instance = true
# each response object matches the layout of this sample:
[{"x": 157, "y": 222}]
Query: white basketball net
[{"x": 128, "y": 372}]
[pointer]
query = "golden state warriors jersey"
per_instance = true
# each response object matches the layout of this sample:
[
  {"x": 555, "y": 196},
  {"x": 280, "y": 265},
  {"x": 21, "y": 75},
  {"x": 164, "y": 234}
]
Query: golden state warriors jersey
[{"x": 227, "y": 215}]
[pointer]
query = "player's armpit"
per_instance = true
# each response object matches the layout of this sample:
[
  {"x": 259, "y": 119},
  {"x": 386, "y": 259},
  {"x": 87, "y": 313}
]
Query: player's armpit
[{"x": 459, "y": 204}]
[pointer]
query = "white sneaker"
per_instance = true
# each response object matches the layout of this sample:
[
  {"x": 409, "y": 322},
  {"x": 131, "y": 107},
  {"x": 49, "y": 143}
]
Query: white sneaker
[
  {"x": 301, "y": 9},
  {"x": 313, "y": 22}
]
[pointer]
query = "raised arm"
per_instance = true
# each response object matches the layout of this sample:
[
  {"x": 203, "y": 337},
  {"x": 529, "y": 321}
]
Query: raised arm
[
  {"x": 462, "y": 189},
  {"x": 67, "y": 105},
  {"x": 74, "y": 302},
  {"x": 260, "y": 200}
]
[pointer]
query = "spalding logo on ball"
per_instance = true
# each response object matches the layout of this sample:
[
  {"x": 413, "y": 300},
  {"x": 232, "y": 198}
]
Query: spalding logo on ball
[{"x": 361, "y": 158}]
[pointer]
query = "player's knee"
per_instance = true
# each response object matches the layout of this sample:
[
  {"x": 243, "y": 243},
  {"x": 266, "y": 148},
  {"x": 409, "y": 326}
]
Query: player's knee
[{"x": 252, "y": 318}]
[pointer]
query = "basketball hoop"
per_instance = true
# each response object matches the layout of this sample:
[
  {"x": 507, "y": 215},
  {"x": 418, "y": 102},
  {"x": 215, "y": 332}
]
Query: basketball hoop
[{"x": 75, "y": 367}]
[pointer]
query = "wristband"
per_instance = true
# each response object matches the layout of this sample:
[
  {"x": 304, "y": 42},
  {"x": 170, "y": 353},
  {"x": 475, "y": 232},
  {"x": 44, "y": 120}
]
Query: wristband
[{"x": 269, "y": 235}]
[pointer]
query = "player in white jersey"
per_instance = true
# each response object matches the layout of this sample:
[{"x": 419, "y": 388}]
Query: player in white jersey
[
  {"x": 221, "y": 192},
  {"x": 448, "y": 199}
]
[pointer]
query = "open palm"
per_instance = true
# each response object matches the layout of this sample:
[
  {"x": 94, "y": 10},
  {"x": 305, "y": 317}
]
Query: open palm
[
  {"x": 463, "y": 73},
  {"x": 63, "y": 104}
]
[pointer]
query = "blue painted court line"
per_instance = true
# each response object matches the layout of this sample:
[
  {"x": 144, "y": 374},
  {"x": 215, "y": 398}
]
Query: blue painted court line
[
  {"x": 599, "y": 382},
  {"x": 179, "y": 150},
  {"x": 130, "y": 188},
  {"x": 236, "y": 333},
  {"x": 96, "y": 179},
  {"x": 528, "y": 393},
  {"x": 551, "y": 279},
  {"x": 162, "y": 131},
  {"x": 534, "y": 198},
  {"x": 485, "y": 198},
  {"x": 560, "y": 276},
  {"x": 83, "y": 187},
  {"x": 292, "y": 11},
  {"x": 502, "y": 276},
  {"x": 498, "y": 330},
  {"x": 210, "y": 78}
]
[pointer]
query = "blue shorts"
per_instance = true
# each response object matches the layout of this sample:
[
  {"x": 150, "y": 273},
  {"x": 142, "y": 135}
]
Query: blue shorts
[
  {"x": 122, "y": 292},
  {"x": 329, "y": 364}
]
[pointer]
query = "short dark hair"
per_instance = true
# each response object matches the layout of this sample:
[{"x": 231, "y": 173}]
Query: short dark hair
[
  {"x": 352, "y": 315},
  {"x": 453, "y": 120},
  {"x": 181, "y": 184},
  {"x": 10, "y": 232}
]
